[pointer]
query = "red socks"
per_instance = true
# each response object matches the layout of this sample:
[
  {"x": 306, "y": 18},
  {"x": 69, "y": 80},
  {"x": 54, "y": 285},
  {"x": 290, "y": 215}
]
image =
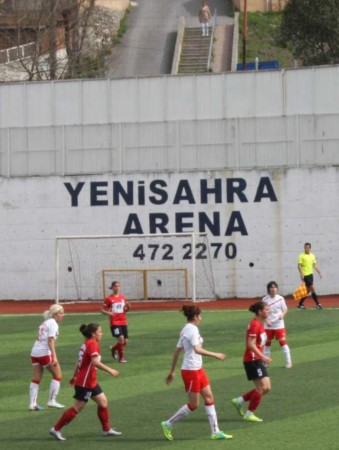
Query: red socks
[
  {"x": 66, "y": 418},
  {"x": 103, "y": 414},
  {"x": 254, "y": 397},
  {"x": 248, "y": 395},
  {"x": 255, "y": 401}
]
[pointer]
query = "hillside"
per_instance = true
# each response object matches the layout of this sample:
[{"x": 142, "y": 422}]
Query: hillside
[{"x": 263, "y": 39}]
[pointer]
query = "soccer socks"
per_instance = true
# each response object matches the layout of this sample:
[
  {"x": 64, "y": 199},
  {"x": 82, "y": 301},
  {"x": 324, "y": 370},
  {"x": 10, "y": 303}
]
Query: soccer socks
[
  {"x": 121, "y": 350},
  {"x": 212, "y": 417},
  {"x": 255, "y": 400},
  {"x": 246, "y": 397},
  {"x": 179, "y": 415},
  {"x": 253, "y": 397},
  {"x": 103, "y": 415},
  {"x": 267, "y": 349},
  {"x": 33, "y": 392},
  {"x": 54, "y": 389},
  {"x": 286, "y": 350},
  {"x": 315, "y": 298},
  {"x": 302, "y": 301},
  {"x": 115, "y": 348},
  {"x": 66, "y": 418}
]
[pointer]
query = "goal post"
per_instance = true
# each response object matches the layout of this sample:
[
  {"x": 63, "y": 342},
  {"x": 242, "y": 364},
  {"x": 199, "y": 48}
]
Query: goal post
[
  {"x": 145, "y": 278},
  {"x": 148, "y": 266}
]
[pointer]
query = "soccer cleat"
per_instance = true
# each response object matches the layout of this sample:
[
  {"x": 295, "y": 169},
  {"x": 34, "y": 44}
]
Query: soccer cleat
[
  {"x": 122, "y": 360},
  {"x": 289, "y": 366},
  {"x": 56, "y": 434},
  {"x": 319, "y": 306},
  {"x": 167, "y": 431},
  {"x": 111, "y": 432},
  {"x": 54, "y": 404},
  {"x": 36, "y": 408},
  {"x": 238, "y": 407},
  {"x": 301, "y": 307},
  {"x": 252, "y": 418},
  {"x": 221, "y": 435}
]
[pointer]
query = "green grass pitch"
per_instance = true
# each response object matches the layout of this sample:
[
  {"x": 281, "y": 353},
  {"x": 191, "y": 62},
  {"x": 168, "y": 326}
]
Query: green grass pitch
[{"x": 301, "y": 411}]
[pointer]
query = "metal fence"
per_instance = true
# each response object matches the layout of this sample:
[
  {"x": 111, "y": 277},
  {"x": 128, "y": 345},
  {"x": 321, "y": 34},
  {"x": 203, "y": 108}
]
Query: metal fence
[{"x": 18, "y": 52}]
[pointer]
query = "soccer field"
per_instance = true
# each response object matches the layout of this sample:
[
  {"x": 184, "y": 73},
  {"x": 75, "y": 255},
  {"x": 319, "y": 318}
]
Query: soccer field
[{"x": 300, "y": 412}]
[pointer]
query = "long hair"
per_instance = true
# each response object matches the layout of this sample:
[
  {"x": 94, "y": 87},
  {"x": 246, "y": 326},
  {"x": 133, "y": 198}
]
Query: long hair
[{"x": 52, "y": 311}]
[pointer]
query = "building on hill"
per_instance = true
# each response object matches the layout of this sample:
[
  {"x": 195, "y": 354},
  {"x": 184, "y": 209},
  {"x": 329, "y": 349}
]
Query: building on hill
[
  {"x": 261, "y": 5},
  {"x": 39, "y": 38}
]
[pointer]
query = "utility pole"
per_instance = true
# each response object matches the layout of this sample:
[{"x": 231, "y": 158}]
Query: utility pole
[
  {"x": 244, "y": 37},
  {"x": 52, "y": 38}
]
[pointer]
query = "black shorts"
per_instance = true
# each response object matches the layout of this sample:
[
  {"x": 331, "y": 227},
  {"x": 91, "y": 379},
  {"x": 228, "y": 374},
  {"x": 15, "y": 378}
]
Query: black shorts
[
  {"x": 119, "y": 330},
  {"x": 255, "y": 369},
  {"x": 84, "y": 394},
  {"x": 308, "y": 279}
]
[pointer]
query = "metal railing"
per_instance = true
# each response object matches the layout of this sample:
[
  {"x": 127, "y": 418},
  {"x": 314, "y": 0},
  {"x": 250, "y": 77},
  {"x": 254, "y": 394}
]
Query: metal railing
[{"x": 214, "y": 24}]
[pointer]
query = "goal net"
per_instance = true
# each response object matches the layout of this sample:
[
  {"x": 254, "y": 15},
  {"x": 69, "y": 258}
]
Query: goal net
[{"x": 148, "y": 267}]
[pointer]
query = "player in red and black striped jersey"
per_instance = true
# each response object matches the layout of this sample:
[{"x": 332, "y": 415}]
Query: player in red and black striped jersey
[
  {"x": 116, "y": 306},
  {"x": 85, "y": 383},
  {"x": 255, "y": 363}
]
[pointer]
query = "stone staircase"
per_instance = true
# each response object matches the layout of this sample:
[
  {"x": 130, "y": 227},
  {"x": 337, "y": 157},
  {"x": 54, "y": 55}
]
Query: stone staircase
[{"x": 195, "y": 51}]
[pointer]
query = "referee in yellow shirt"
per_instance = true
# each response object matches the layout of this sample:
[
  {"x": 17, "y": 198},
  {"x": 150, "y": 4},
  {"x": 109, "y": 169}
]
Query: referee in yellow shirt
[{"x": 306, "y": 263}]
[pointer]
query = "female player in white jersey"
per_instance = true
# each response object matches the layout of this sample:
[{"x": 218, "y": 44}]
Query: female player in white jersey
[
  {"x": 274, "y": 324},
  {"x": 194, "y": 377},
  {"x": 43, "y": 356}
]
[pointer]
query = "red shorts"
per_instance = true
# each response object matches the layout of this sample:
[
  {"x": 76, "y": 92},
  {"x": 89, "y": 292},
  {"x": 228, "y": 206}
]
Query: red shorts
[
  {"x": 276, "y": 334},
  {"x": 43, "y": 361},
  {"x": 194, "y": 380}
]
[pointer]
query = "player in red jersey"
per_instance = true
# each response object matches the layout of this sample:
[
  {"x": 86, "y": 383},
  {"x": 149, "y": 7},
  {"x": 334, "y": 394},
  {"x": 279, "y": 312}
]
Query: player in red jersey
[
  {"x": 85, "y": 383},
  {"x": 116, "y": 306},
  {"x": 255, "y": 363},
  {"x": 43, "y": 356}
]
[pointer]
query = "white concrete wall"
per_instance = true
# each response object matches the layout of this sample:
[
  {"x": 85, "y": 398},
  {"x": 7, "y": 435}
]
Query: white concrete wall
[
  {"x": 277, "y": 126},
  {"x": 35, "y": 210},
  {"x": 201, "y": 97},
  {"x": 229, "y": 144}
]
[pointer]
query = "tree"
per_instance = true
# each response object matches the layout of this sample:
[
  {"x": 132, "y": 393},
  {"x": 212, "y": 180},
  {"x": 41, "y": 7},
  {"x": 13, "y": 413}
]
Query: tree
[
  {"x": 310, "y": 29},
  {"x": 48, "y": 36}
]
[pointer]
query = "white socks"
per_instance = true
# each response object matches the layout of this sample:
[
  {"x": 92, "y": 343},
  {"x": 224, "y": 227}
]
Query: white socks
[
  {"x": 267, "y": 350},
  {"x": 286, "y": 350},
  {"x": 54, "y": 389},
  {"x": 33, "y": 393},
  {"x": 179, "y": 415},
  {"x": 212, "y": 418}
]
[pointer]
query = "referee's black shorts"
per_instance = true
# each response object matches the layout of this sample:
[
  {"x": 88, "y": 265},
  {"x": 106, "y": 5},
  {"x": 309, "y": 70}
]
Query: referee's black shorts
[{"x": 308, "y": 279}]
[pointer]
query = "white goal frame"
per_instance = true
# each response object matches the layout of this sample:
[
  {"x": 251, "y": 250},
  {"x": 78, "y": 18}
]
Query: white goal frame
[
  {"x": 192, "y": 236},
  {"x": 144, "y": 273}
]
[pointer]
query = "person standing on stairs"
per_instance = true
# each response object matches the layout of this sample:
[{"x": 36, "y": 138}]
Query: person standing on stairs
[{"x": 204, "y": 18}]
